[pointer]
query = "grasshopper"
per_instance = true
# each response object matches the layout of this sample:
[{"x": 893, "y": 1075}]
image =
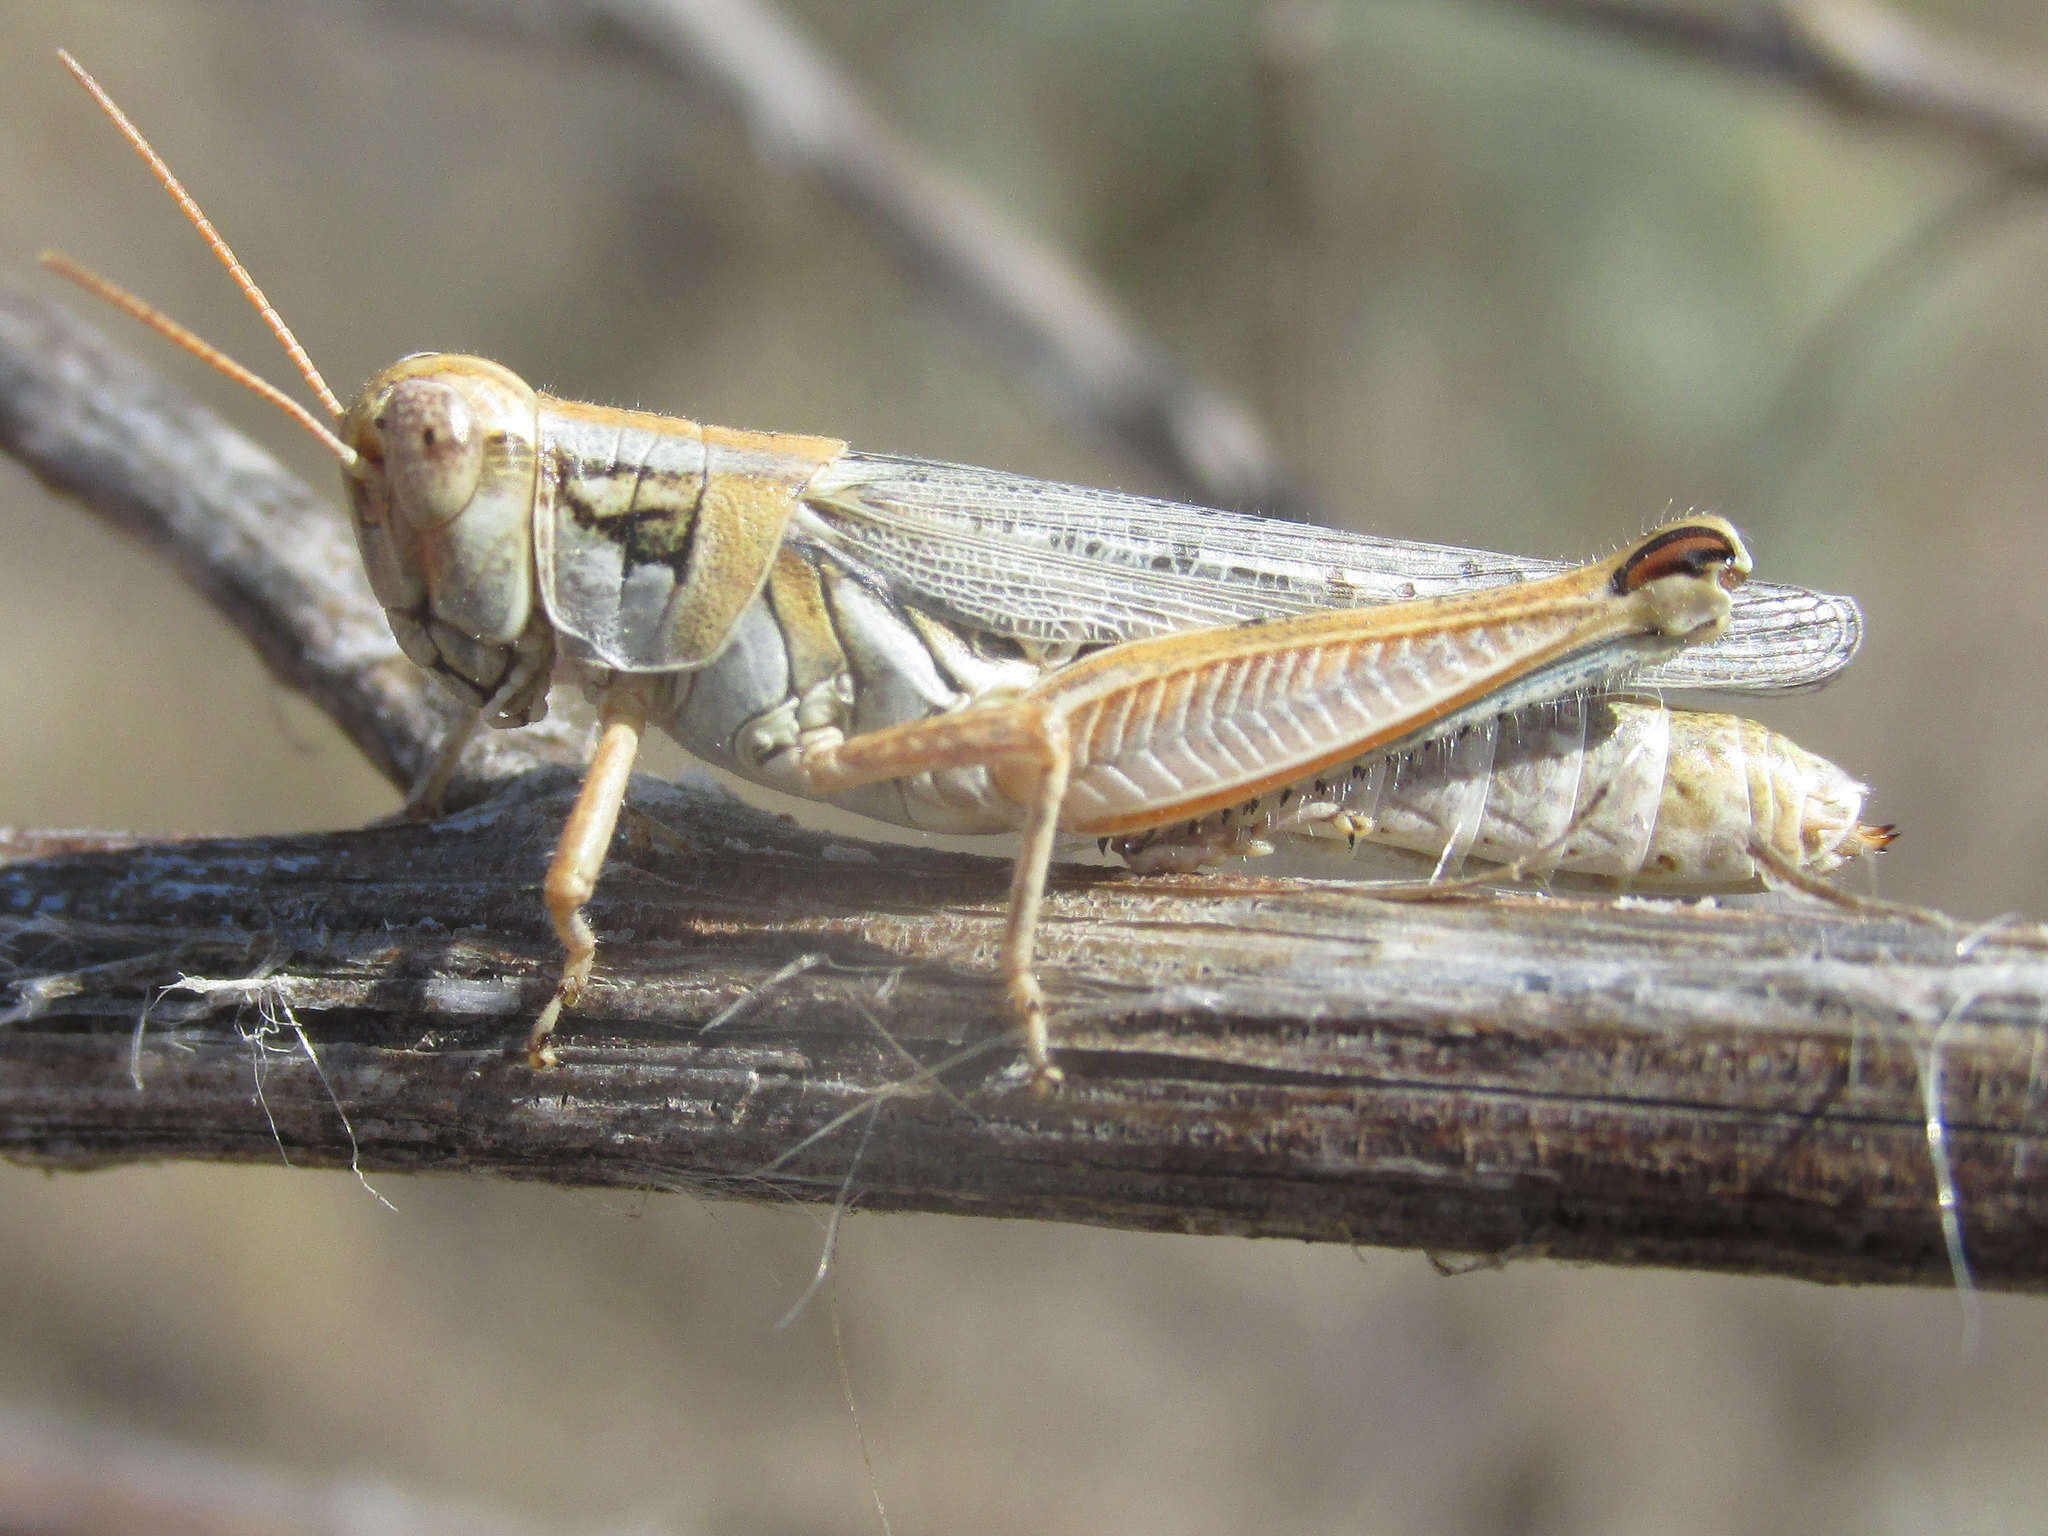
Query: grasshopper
[{"x": 945, "y": 647}]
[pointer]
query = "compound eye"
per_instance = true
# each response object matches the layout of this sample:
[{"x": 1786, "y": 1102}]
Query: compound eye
[{"x": 433, "y": 452}]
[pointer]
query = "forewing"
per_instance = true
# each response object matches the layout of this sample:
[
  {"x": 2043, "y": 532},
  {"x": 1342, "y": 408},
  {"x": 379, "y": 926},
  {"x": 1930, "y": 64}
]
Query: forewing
[{"x": 1039, "y": 561}]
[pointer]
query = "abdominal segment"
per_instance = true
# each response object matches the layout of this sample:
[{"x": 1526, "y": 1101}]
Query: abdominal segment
[{"x": 1610, "y": 786}]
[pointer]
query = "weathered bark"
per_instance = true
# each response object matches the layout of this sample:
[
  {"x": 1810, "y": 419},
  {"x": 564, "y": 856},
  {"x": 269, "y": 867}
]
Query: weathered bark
[{"x": 1642, "y": 1083}]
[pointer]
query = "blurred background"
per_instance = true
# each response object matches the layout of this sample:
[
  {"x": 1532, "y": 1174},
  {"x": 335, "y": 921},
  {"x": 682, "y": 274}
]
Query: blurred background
[{"x": 1489, "y": 279}]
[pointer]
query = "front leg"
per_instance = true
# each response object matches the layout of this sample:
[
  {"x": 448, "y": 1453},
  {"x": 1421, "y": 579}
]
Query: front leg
[
  {"x": 579, "y": 855},
  {"x": 423, "y": 799},
  {"x": 1032, "y": 744}
]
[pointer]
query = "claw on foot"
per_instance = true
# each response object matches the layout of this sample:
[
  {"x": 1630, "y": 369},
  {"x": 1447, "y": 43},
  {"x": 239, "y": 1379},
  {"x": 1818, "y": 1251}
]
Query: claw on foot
[
  {"x": 1046, "y": 1079},
  {"x": 1027, "y": 1006},
  {"x": 539, "y": 1049}
]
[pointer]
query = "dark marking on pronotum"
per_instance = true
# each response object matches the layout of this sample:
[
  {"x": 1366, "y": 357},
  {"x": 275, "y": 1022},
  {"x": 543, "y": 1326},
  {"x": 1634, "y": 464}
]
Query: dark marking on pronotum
[{"x": 1685, "y": 551}]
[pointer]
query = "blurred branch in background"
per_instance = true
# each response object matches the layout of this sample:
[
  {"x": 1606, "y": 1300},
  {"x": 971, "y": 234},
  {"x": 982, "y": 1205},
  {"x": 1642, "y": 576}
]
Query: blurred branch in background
[
  {"x": 1812, "y": 395},
  {"x": 1865, "y": 59},
  {"x": 1857, "y": 55},
  {"x": 74, "y": 1479},
  {"x": 784, "y": 1014},
  {"x": 1064, "y": 329},
  {"x": 1094, "y": 361}
]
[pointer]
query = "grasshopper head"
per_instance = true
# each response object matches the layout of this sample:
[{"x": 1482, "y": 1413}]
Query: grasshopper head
[
  {"x": 438, "y": 454},
  {"x": 442, "y": 496}
]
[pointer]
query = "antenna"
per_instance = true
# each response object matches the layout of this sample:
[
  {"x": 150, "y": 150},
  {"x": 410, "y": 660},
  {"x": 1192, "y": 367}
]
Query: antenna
[
  {"x": 141, "y": 309},
  {"x": 164, "y": 326}
]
